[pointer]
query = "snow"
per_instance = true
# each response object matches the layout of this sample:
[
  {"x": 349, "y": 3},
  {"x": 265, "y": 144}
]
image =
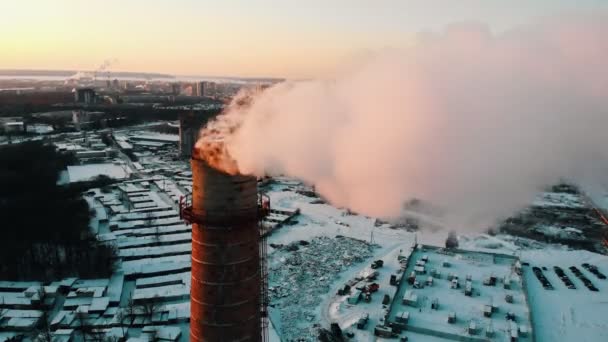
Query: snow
[
  {"x": 179, "y": 278},
  {"x": 152, "y": 267},
  {"x": 559, "y": 232},
  {"x": 154, "y": 246},
  {"x": 142, "y": 252},
  {"x": 557, "y": 199},
  {"x": 169, "y": 292},
  {"x": 164, "y": 332},
  {"x": 468, "y": 308},
  {"x": 148, "y": 136},
  {"x": 299, "y": 277},
  {"x": 114, "y": 290},
  {"x": 140, "y": 216},
  {"x": 154, "y": 240},
  {"x": 567, "y": 314},
  {"x": 39, "y": 128},
  {"x": 18, "y": 285},
  {"x": 99, "y": 304},
  {"x": 90, "y": 283},
  {"x": 158, "y": 230},
  {"x": 79, "y": 173}
]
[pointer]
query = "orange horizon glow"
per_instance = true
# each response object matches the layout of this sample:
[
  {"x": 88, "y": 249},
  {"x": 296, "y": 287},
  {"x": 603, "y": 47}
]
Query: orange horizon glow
[{"x": 262, "y": 38}]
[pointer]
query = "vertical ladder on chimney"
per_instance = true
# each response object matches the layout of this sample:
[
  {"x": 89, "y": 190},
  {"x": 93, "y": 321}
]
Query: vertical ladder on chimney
[{"x": 264, "y": 301}]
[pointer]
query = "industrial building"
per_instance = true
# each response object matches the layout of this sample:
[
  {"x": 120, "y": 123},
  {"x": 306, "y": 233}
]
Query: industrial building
[
  {"x": 85, "y": 95},
  {"x": 204, "y": 88},
  {"x": 12, "y": 126},
  {"x": 198, "y": 89},
  {"x": 189, "y": 126},
  {"x": 465, "y": 297}
]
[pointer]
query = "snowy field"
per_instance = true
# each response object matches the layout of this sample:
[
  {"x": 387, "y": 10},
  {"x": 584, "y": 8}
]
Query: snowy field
[{"x": 565, "y": 314}]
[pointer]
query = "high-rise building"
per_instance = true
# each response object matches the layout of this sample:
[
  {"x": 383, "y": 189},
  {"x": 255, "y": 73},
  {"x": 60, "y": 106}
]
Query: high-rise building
[
  {"x": 176, "y": 88},
  {"x": 198, "y": 89},
  {"x": 85, "y": 95},
  {"x": 189, "y": 127}
]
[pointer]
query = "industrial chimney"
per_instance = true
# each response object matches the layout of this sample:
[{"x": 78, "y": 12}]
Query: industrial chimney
[{"x": 226, "y": 298}]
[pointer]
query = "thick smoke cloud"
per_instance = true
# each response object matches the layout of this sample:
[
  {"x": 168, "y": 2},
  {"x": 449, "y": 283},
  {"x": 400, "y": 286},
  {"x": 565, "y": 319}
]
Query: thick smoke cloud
[{"x": 470, "y": 121}]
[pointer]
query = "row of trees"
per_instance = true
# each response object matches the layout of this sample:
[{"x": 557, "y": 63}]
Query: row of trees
[{"x": 44, "y": 228}]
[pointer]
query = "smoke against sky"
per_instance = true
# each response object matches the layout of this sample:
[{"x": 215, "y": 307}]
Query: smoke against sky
[{"x": 473, "y": 122}]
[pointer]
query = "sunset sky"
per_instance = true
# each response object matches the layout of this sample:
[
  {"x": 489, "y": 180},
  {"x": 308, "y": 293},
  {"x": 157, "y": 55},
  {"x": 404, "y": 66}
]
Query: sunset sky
[{"x": 275, "y": 38}]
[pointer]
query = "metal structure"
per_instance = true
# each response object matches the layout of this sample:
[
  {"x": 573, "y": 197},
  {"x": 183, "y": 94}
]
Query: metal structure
[{"x": 228, "y": 297}]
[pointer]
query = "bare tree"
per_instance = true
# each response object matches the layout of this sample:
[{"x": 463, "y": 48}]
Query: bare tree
[
  {"x": 130, "y": 310},
  {"x": 81, "y": 317},
  {"x": 44, "y": 328},
  {"x": 121, "y": 316},
  {"x": 149, "y": 220},
  {"x": 2, "y": 310},
  {"x": 153, "y": 335},
  {"x": 150, "y": 307},
  {"x": 97, "y": 336}
]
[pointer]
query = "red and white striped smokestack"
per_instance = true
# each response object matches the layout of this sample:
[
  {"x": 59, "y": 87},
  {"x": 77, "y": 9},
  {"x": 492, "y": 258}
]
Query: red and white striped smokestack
[{"x": 225, "y": 295}]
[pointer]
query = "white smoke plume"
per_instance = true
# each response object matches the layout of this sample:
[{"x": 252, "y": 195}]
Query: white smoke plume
[
  {"x": 107, "y": 63},
  {"x": 473, "y": 122}
]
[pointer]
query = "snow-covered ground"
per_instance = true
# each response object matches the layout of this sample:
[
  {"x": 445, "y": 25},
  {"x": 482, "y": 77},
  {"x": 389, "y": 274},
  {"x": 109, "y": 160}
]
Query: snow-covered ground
[
  {"x": 561, "y": 314},
  {"x": 78, "y": 173},
  {"x": 140, "y": 218},
  {"x": 566, "y": 314}
]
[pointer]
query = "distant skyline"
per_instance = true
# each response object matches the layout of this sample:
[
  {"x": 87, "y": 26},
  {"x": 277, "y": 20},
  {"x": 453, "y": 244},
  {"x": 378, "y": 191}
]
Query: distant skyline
[{"x": 242, "y": 38}]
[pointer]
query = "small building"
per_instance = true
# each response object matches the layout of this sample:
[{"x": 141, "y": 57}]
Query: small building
[
  {"x": 420, "y": 270},
  {"x": 354, "y": 298},
  {"x": 452, "y": 317},
  {"x": 514, "y": 331},
  {"x": 410, "y": 298},
  {"x": 429, "y": 281},
  {"x": 472, "y": 329},
  {"x": 373, "y": 275},
  {"x": 468, "y": 289},
  {"x": 412, "y": 278},
  {"x": 14, "y": 127},
  {"x": 487, "y": 310},
  {"x": 490, "y": 330},
  {"x": 383, "y": 331},
  {"x": 84, "y": 95},
  {"x": 523, "y": 330},
  {"x": 402, "y": 318},
  {"x": 362, "y": 322}
]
